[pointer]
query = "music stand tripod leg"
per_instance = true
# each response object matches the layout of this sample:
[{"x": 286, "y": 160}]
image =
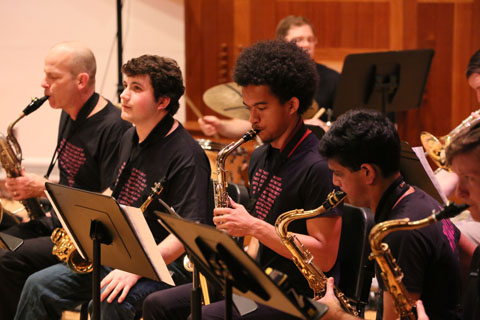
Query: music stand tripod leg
[
  {"x": 196, "y": 296},
  {"x": 99, "y": 234}
]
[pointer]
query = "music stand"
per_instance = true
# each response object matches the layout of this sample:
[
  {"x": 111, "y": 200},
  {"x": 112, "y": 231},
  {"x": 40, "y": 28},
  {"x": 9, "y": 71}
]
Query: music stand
[
  {"x": 91, "y": 219},
  {"x": 385, "y": 81},
  {"x": 221, "y": 260},
  {"x": 419, "y": 173},
  {"x": 9, "y": 242}
]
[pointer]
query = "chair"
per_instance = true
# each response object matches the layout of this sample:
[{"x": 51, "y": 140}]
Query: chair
[
  {"x": 238, "y": 193},
  {"x": 356, "y": 271}
]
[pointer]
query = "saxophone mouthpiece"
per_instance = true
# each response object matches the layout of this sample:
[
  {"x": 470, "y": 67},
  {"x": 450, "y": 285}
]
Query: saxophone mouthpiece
[
  {"x": 450, "y": 211},
  {"x": 34, "y": 105},
  {"x": 250, "y": 135}
]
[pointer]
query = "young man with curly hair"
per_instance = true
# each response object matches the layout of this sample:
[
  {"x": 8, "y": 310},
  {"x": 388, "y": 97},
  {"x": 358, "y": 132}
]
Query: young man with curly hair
[
  {"x": 157, "y": 147},
  {"x": 278, "y": 81}
]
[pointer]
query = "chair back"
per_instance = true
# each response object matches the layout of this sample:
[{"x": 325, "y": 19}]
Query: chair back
[{"x": 356, "y": 271}]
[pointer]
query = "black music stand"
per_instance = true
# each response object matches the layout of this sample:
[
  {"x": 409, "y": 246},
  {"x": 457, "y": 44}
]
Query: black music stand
[
  {"x": 9, "y": 242},
  {"x": 385, "y": 81},
  {"x": 223, "y": 262},
  {"x": 92, "y": 219}
]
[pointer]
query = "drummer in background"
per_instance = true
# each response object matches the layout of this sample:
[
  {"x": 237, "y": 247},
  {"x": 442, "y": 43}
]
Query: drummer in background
[{"x": 299, "y": 30}]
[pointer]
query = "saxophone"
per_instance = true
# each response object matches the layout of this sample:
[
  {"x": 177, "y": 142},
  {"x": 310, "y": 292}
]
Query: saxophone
[
  {"x": 65, "y": 250},
  {"x": 390, "y": 271},
  {"x": 302, "y": 258},
  {"x": 220, "y": 185},
  {"x": 11, "y": 157}
]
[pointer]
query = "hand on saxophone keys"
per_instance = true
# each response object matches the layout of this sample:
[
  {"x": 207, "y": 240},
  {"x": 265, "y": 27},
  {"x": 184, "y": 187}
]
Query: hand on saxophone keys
[
  {"x": 236, "y": 221},
  {"x": 26, "y": 186}
]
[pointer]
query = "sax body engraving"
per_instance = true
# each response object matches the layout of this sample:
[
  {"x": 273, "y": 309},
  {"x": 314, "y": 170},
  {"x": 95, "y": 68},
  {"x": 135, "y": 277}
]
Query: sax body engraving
[
  {"x": 11, "y": 157},
  {"x": 302, "y": 257},
  {"x": 390, "y": 271}
]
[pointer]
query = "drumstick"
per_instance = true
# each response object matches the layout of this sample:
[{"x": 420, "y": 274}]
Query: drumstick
[
  {"x": 319, "y": 113},
  {"x": 193, "y": 107},
  {"x": 197, "y": 112}
]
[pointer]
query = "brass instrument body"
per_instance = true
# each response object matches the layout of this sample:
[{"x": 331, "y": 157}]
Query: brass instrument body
[
  {"x": 435, "y": 147},
  {"x": 391, "y": 272},
  {"x": 66, "y": 252},
  {"x": 11, "y": 157},
  {"x": 220, "y": 184},
  {"x": 302, "y": 257}
]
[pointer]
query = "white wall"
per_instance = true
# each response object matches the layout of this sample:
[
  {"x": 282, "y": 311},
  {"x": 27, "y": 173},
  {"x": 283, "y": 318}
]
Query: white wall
[{"x": 30, "y": 27}]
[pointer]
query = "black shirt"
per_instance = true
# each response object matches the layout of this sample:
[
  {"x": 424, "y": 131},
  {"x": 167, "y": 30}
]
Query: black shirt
[
  {"x": 178, "y": 158},
  {"x": 327, "y": 84},
  {"x": 300, "y": 180},
  {"x": 88, "y": 155},
  {"x": 428, "y": 256}
]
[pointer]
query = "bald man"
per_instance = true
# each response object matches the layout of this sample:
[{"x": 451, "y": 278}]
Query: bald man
[{"x": 87, "y": 149}]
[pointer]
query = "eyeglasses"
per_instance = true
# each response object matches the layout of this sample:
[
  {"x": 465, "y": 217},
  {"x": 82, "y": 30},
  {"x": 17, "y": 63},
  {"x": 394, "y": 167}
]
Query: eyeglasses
[{"x": 302, "y": 39}]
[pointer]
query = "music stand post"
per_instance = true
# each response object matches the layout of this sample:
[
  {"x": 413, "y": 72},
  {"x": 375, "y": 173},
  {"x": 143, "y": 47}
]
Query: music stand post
[
  {"x": 99, "y": 235},
  {"x": 225, "y": 264},
  {"x": 388, "y": 81}
]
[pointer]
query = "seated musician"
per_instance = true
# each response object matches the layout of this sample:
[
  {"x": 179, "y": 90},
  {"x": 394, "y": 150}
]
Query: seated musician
[
  {"x": 69, "y": 82},
  {"x": 295, "y": 29},
  {"x": 463, "y": 155},
  {"x": 363, "y": 151},
  {"x": 278, "y": 82},
  {"x": 157, "y": 147}
]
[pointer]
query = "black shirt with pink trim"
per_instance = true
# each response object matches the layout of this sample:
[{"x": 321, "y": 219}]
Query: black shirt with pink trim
[{"x": 296, "y": 177}]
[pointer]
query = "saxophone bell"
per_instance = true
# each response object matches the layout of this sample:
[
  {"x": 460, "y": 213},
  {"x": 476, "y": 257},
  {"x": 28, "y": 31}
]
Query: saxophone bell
[{"x": 302, "y": 257}]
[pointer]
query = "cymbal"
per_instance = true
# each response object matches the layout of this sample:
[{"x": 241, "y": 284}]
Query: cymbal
[{"x": 226, "y": 99}]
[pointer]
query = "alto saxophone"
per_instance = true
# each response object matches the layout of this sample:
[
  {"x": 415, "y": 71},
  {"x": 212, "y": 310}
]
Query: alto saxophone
[
  {"x": 220, "y": 185},
  {"x": 302, "y": 257},
  {"x": 65, "y": 250},
  {"x": 11, "y": 157},
  {"x": 390, "y": 271}
]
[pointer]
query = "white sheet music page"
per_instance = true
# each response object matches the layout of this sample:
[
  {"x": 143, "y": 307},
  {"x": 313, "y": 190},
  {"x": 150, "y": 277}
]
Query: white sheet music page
[
  {"x": 420, "y": 153},
  {"x": 139, "y": 224}
]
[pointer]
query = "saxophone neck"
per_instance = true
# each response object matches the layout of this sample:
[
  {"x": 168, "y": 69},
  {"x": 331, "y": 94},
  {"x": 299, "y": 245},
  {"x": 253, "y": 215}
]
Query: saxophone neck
[{"x": 382, "y": 229}]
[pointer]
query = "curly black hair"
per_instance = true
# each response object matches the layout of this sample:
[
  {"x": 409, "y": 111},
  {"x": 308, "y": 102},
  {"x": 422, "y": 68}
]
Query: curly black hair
[
  {"x": 363, "y": 136},
  {"x": 282, "y": 66},
  {"x": 165, "y": 76}
]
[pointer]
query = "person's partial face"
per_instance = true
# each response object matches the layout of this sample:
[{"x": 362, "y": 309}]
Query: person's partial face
[
  {"x": 351, "y": 182},
  {"x": 137, "y": 100},
  {"x": 268, "y": 115},
  {"x": 59, "y": 84},
  {"x": 474, "y": 82},
  {"x": 303, "y": 37},
  {"x": 467, "y": 167}
]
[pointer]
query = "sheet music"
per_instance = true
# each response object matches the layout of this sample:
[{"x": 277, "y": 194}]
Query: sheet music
[
  {"x": 420, "y": 153},
  {"x": 140, "y": 226}
]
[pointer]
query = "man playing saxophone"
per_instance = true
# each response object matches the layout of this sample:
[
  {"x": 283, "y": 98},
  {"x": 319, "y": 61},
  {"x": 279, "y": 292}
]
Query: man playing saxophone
[
  {"x": 157, "y": 147},
  {"x": 86, "y": 160},
  {"x": 285, "y": 173},
  {"x": 363, "y": 151}
]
